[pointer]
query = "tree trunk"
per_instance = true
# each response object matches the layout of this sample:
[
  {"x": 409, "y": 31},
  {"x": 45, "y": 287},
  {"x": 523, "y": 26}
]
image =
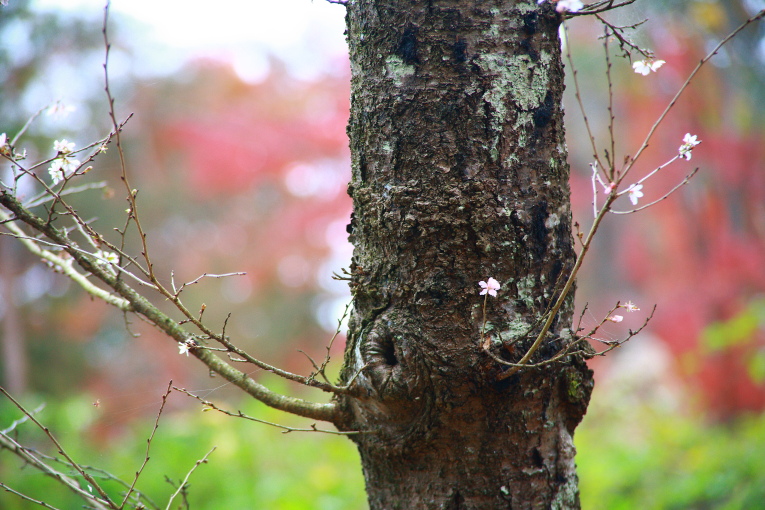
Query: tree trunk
[{"x": 459, "y": 174}]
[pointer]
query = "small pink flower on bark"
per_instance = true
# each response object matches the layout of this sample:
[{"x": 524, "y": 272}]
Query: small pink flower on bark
[{"x": 491, "y": 286}]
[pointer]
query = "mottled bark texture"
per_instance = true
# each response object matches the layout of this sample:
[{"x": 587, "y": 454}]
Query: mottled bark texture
[{"x": 459, "y": 173}]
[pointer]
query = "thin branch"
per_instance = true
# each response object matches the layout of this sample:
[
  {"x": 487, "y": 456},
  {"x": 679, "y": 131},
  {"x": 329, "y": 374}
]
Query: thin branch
[
  {"x": 568, "y": 349},
  {"x": 671, "y": 104},
  {"x": 7, "y": 442},
  {"x": 131, "y": 193},
  {"x": 142, "y": 306},
  {"x": 65, "y": 267},
  {"x": 578, "y": 95},
  {"x": 100, "y": 473},
  {"x": 285, "y": 429},
  {"x": 566, "y": 288},
  {"x": 148, "y": 446},
  {"x": 137, "y": 495},
  {"x": 611, "y": 160},
  {"x": 666, "y": 195},
  {"x": 201, "y": 461},
  {"x": 27, "y": 498},
  {"x": 614, "y": 344},
  {"x": 307, "y": 381},
  {"x": 625, "y": 44},
  {"x": 599, "y": 7},
  {"x": 26, "y": 125},
  {"x": 323, "y": 367},
  {"x": 177, "y": 292},
  {"x": 22, "y": 420}
]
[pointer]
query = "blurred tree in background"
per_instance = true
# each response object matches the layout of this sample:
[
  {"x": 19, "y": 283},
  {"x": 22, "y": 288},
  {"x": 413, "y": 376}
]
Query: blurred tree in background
[{"x": 250, "y": 176}]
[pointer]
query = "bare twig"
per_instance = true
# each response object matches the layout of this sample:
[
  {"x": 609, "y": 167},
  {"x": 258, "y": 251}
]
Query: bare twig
[
  {"x": 27, "y": 498},
  {"x": 21, "y": 420},
  {"x": 103, "y": 502},
  {"x": 611, "y": 159},
  {"x": 198, "y": 463},
  {"x": 625, "y": 45},
  {"x": 578, "y": 95},
  {"x": 131, "y": 193},
  {"x": 177, "y": 292},
  {"x": 685, "y": 181},
  {"x": 148, "y": 446},
  {"x": 599, "y": 7},
  {"x": 239, "y": 414},
  {"x": 685, "y": 84}
]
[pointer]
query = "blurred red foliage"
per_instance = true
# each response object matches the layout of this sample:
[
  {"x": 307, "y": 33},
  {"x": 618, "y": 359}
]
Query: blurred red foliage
[{"x": 699, "y": 254}]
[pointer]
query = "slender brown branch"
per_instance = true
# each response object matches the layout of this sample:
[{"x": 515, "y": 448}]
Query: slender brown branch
[
  {"x": 685, "y": 84},
  {"x": 131, "y": 193},
  {"x": 198, "y": 463},
  {"x": 239, "y": 414},
  {"x": 599, "y": 7},
  {"x": 103, "y": 502},
  {"x": 612, "y": 158},
  {"x": 685, "y": 181},
  {"x": 142, "y": 306},
  {"x": 564, "y": 292},
  {"x": 27, "y": 498},
  {"x": 578, "y": 95},
  {"x": 148, "y": 446}
]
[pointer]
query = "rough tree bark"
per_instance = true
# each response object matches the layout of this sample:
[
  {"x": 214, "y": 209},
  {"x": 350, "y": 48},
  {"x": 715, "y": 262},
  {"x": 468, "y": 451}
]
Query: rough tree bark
[{"x": 459, "y": 173}]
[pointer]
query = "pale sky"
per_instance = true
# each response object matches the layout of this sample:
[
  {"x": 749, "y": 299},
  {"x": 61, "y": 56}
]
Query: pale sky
[{"x": 307, "y": 34}]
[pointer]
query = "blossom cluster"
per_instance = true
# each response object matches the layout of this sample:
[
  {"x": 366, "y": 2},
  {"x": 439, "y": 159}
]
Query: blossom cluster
[
  {"x": 64, "y": 165},
  {"x": 635, "y": 191},
  {"x": 689, "y": 142},
  {"x": 645, "y": 67},
  {"x": 629, "y": 306}
]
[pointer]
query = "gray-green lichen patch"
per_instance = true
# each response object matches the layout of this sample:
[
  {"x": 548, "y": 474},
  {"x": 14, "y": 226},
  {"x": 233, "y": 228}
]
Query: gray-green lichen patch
[
  {"x": 397, "y": 69},
  {"x": 493, "y": 30},
  {"x": 512, "y": 332},
  {"x": 552, "y": 221},
  {"x": 526, "y": 286},
  {"x": 515, "y": 330},
  {"x": 567, "y": 495},
  {"x": 520, "y": 79}
]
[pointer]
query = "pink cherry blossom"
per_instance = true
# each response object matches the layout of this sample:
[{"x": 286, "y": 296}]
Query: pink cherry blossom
[
  {"x": 689, "y": 142},
  {"x": 645, "y": 67},
  {"x": 490, "y": 287},
  {"x": 635, "y": 193},
  {"x": 630, "y": 306}
]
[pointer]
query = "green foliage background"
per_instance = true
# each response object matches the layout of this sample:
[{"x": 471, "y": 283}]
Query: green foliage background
[
  {"x": 628, "y": 457},
  {"x": 253, "y": 465}
]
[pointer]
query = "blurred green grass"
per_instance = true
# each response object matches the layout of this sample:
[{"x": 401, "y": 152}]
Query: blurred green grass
[
  {"x": 645, "y": 457},
  {"x": 631, "y": 454},
  {"x": 253, "y": 466}
]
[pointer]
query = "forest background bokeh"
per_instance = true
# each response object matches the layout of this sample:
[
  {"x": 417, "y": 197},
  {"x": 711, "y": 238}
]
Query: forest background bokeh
[{"x": 240, "y": 155}]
